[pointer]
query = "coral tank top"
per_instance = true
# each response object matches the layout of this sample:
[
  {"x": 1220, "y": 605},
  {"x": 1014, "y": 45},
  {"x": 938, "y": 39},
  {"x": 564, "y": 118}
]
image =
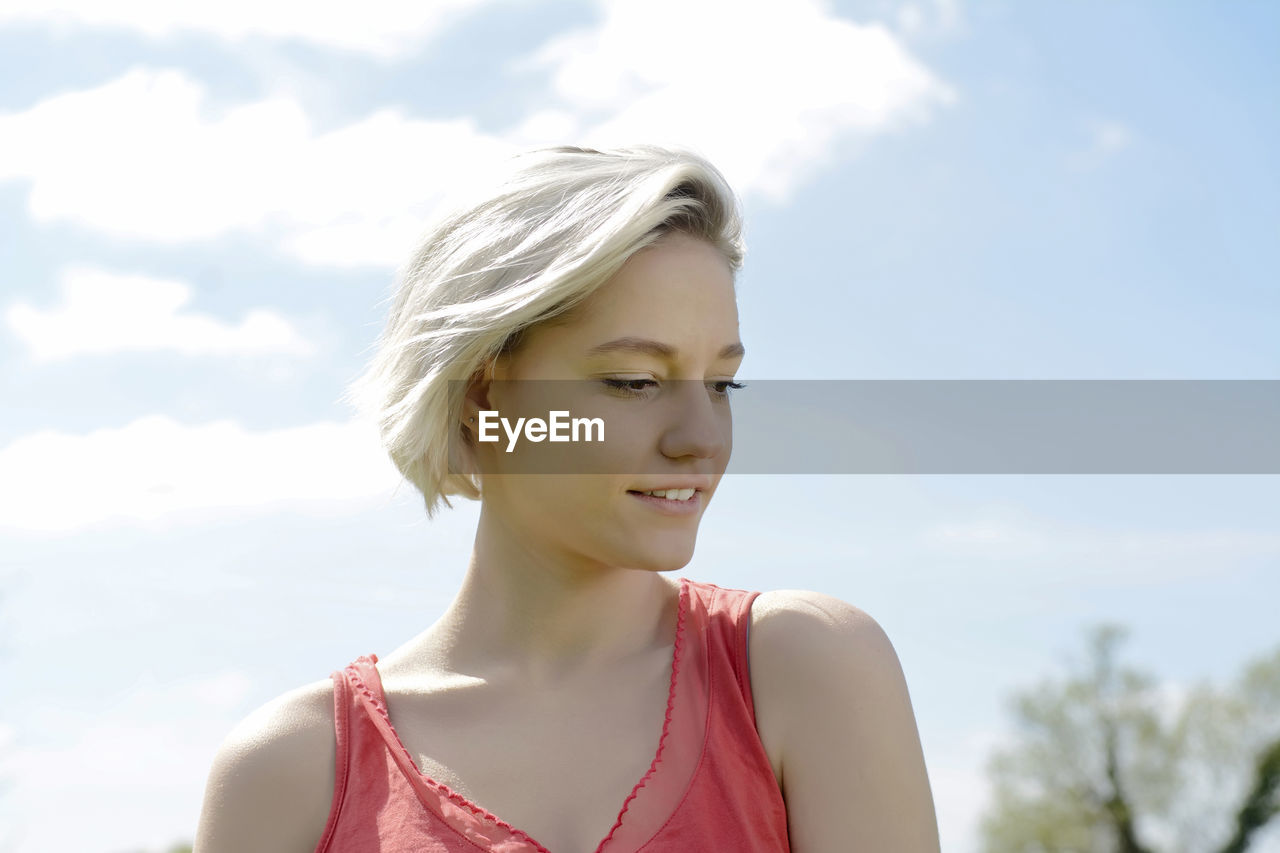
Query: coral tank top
[{"x": 709, "y": 787}]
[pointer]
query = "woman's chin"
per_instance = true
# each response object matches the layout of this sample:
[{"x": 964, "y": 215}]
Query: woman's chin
[{"x": 668, "y": 559}]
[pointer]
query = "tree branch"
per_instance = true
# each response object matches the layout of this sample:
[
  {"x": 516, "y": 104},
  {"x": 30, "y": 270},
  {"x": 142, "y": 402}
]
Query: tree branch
[
  {"x": 1117, "y": 805},
  {"x": 1261, "y": 804}
]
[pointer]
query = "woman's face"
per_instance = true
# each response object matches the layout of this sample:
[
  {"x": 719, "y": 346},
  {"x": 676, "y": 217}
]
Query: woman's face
[{"x": 665, "y": 328}]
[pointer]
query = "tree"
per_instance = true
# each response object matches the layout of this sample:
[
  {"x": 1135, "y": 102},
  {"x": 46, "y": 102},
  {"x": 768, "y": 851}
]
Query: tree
[{"x": 1108, "y": 761}]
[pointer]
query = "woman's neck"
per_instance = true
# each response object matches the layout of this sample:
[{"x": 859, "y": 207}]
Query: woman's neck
[{"x": 523, "y": 615}]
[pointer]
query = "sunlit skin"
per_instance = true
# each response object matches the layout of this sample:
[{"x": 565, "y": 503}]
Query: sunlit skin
[{"x": 564, "y": 575}]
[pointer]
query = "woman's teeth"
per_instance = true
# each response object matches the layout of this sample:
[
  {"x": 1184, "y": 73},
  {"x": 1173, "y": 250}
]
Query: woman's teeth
[{"x": 672, "y": 494}]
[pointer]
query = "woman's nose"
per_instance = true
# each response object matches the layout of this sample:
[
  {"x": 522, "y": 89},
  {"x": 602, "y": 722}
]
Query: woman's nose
[{"x": 697, "y": 423}]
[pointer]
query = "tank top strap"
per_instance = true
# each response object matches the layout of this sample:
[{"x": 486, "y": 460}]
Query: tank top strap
[
  {"x": 728, "y": 615},
  {"x": 367, "y": 684},
  {"x": 734, "y": 802},
  {"x": 347, "y": 711},
  {"x": 342, "y": 766},
  {"x": 372, "y": 731}
]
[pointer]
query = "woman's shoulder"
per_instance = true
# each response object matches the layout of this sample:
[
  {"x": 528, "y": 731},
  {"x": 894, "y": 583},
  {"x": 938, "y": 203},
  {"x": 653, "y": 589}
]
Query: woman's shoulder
[
  {"x": 271, "y": 783},
  {"x": 800, "y": 638},
  {"x": 830, "y": 698},
  {"x": 816, "y": 615},
  {"x": 800, "y": 643}
]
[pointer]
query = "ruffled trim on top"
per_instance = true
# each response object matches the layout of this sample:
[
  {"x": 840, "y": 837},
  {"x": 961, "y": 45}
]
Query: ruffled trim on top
[{"x": 666, "y": 722}]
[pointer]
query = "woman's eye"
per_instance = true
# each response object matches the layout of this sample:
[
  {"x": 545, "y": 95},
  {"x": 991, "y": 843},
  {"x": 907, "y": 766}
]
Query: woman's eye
[
  {"x": 631, "y": 387},
  {"x": 644, "y": 387},
  {"x": 722, "y": 387}
]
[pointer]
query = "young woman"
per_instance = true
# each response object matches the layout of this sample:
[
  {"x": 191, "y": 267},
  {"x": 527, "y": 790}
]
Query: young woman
[{"x": 574, "y": 697}]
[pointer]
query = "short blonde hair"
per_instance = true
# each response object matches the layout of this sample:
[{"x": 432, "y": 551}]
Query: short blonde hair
[{"x": 558, "y": 225}]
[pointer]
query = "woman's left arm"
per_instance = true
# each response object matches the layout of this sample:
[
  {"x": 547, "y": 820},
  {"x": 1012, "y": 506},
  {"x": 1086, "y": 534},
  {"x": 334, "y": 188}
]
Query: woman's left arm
[{"x": 832, "y": 703}]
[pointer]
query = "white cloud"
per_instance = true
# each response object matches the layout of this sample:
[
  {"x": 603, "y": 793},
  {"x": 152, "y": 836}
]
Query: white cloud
[
  {"x": 224, "y": 690},
  {"x": 157, "y": 469},
  {"x": 105, "y": 312},
  {"x": 382, "y": 28},
  {"x": 1045, "y": 547},
  {"x": 1107, "y": 138},
  {"x": 948, "y": 15},
  {"x": 986, "y": 537},
  {"x": 773, "y": 92},
  {"x": 134, "y": 764},
  {"x": 943, "y": 17},
  {"x": 770, "y": 91},
  {"x": 910, "y": 18},
  {"x": 144, "y": 157}
]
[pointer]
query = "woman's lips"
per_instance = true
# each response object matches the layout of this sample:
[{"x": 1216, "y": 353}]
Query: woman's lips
[{"x": 669, "y": 506}]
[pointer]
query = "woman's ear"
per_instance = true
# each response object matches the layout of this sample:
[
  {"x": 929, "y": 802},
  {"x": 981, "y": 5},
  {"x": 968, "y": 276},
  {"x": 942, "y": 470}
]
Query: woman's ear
[
  {"x": 462, "y": 454},
  {"x": 477, "y": 396}
]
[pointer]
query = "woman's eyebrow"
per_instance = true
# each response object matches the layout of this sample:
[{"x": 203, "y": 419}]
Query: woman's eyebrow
[{"x": 656, "y": 348}]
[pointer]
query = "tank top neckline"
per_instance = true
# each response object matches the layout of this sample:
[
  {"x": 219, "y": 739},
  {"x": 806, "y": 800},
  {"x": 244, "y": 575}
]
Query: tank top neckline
[{"x": 470, "y": 819}]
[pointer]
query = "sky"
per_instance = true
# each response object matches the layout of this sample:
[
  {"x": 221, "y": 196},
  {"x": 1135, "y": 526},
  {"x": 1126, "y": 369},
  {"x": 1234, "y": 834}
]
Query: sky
[{"x": 203, "y": 206}]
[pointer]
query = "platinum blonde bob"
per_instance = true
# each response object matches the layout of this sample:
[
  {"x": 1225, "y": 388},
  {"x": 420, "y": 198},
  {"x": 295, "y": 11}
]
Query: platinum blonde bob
[{"x": 559, "y": 223}]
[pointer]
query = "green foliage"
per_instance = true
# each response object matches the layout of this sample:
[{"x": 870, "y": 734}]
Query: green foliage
[{"x": 1106, "y": 760}]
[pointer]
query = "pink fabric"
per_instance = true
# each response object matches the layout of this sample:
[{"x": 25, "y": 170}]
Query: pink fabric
[{"x": 710, "y": 785}]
